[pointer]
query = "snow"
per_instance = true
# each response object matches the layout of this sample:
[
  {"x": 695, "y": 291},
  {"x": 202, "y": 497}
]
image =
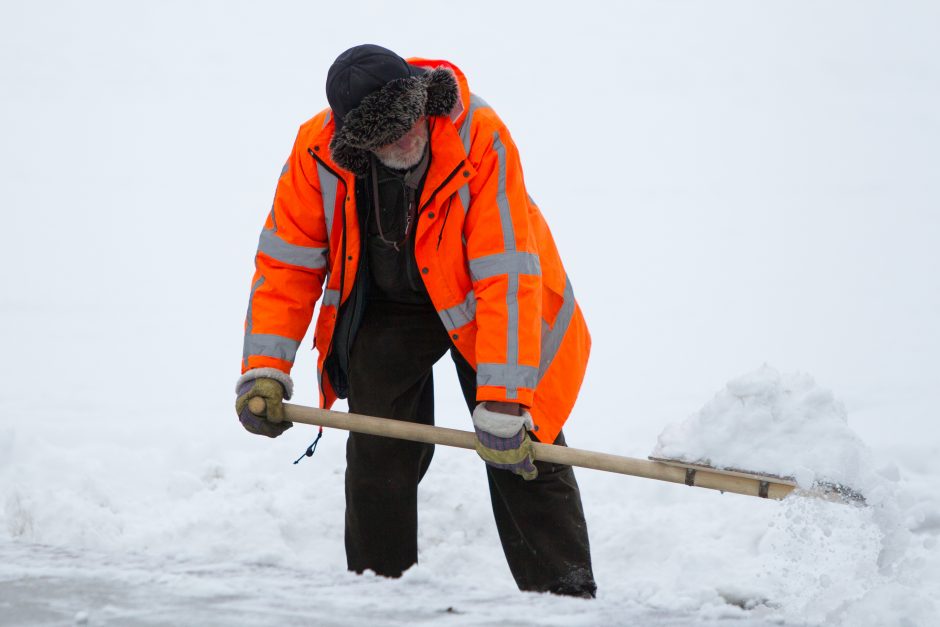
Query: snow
[
  {"x": 764, "y": 190},
  {"x": 781, "y": 424},
  {"x": 788, "y": 425}
]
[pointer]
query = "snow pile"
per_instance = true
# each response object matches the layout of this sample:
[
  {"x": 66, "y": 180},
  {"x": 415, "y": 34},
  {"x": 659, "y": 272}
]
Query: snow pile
[
  {"x": 821, "y": 562},
  {"x": 782, "y": 424}
]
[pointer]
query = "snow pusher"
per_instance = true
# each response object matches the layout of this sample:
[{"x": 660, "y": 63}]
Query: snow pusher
[{"x": 675, "y": 471}]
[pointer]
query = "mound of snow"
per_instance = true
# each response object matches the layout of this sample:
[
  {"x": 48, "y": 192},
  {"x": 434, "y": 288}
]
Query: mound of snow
[{"x": 782, "y": 424}]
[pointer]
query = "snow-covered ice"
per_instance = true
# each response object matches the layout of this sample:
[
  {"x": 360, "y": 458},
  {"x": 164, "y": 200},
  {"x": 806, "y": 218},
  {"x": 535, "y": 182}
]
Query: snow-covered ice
[{"x": 729, "y": 183}]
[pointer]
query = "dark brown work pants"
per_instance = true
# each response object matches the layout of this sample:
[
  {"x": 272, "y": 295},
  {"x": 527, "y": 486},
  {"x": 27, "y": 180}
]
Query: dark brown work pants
[{"x": 540, "y": 523}]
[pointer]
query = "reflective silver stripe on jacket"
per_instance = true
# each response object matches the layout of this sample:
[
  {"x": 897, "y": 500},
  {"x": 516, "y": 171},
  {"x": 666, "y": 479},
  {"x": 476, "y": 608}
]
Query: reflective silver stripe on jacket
[
  {"x": 475, "y": 103},
  {"x": 502, "y": 199},
  {"x": 464, "y": 194},
  {"x": 330, "y": 297},
  {"x": 512, "y": 336},
  {"x": 249, "y": 323},
  {"x": 552, "y": 337},
  {"x": 328, "y": 188},
  {"x": 273, "y": 218},
  {"x": 270, "y": 345},
  {"x": 251, "y": 300},
  {"x": 518, "y": 264},
  {"x": 273, "y": 246},
  {"x": 466, "y": 126},
  {"x": 507, "y": 375},
  {"x": 460, "y": 314},
  {"x": 512, "y": 264},
  {"x": 504, "y": 263},
  {"x": 328, "y": 184},
  {"x": 284, "y": 171}
]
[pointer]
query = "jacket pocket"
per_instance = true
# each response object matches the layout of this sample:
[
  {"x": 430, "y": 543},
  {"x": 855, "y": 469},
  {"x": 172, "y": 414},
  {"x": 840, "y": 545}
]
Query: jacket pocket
[
  {"x": 552, "y": 302},
  {"x": 323, "y": 331}
]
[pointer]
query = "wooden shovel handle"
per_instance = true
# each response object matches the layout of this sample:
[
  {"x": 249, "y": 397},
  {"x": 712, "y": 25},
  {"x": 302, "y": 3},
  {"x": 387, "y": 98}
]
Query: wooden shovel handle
[{"x": 699, "y": 477}]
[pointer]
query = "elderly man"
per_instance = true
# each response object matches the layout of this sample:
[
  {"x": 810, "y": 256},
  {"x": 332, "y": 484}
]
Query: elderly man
[{"x": 404, "y": 206}]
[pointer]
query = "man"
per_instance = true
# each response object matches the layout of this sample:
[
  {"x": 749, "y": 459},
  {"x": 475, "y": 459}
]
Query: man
[{"x": 404, "y": 205}]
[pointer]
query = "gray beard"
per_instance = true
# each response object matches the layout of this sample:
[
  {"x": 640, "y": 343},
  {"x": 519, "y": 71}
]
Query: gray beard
[{"x": 402, "y": 160}]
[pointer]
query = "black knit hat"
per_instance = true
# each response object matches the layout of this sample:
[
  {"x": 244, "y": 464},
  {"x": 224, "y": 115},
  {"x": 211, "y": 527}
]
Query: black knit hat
[{"x": 376, "y": 97}]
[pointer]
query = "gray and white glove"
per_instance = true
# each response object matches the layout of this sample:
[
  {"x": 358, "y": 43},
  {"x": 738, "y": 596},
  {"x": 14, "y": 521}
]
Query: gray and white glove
[{"x": 503, "y": 441}]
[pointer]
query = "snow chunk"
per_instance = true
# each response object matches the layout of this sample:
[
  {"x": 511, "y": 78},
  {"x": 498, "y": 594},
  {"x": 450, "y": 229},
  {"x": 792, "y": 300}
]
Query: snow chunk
[{"x": 782, "y": 424}]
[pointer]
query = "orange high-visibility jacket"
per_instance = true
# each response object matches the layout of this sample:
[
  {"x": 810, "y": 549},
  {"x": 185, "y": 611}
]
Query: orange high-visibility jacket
[{"x": 486, "y": 255}]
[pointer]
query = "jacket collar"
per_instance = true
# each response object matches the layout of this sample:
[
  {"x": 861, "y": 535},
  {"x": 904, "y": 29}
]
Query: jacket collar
[
  {"x": 449, "y": 169},
  {"x": 459, "y": 113},
  {"x": 320, "y": 148}
]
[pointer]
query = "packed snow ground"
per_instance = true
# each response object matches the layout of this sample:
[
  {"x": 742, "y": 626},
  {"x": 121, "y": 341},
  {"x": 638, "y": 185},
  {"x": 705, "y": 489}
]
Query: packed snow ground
[{"x": 729, "y": 183}]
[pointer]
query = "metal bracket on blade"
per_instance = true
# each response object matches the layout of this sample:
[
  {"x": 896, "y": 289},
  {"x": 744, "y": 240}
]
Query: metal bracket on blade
[{"x": 764, "y": 489}]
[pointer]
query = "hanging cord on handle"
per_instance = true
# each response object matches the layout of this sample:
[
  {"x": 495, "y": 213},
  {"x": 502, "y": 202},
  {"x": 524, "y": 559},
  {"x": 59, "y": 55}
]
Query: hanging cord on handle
[{"x": 312, "y": 448}]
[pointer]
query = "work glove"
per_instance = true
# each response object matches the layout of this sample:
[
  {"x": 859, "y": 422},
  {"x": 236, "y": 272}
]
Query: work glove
[
  {"x": 274, "y": 387},
  {"x": 503, "y": 442}
]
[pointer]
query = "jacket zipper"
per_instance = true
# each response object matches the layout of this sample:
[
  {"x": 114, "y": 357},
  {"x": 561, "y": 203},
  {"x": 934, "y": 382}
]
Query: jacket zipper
[
  {"x": 441, "y": 186},
  {"x": 444, "y": 222},
  {"x": 425, "y": 206},
  {"x": 342, "y": 275}
]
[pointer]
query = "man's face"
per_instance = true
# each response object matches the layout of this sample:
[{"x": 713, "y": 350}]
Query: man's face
[{"x": 407, "y": 151}]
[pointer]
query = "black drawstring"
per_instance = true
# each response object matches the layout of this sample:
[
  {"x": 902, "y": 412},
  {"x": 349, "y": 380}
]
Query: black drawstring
[{"x": 312, "y": 448}]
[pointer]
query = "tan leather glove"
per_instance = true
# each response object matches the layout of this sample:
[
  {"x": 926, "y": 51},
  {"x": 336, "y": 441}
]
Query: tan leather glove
[{"x": 273, "y": 388}]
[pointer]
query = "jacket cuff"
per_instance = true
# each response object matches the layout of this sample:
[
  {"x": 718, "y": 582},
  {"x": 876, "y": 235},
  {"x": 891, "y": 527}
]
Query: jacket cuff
[
  {"x": 269, "y": 373},
  {"x": 523, "y": 396},
  {"x": 499, "y": 424}
]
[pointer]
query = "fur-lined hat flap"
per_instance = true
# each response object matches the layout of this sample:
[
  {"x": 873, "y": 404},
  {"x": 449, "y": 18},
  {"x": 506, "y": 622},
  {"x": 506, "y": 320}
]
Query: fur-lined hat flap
[{"x": 384, "y": 114}]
